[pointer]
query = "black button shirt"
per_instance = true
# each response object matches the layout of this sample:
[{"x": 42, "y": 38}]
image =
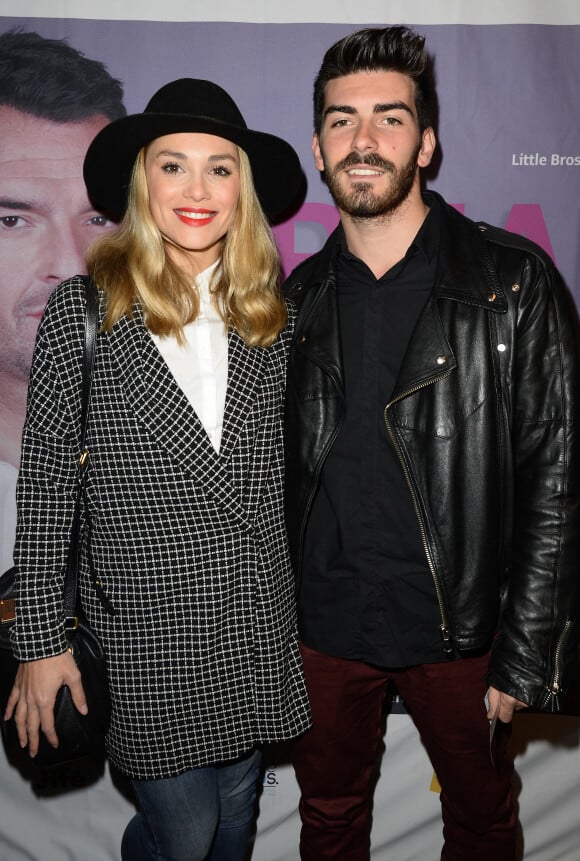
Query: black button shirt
[{"x": 367, "y": 592}]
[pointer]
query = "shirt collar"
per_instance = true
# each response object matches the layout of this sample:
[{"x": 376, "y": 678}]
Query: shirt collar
[
  {"x": 203, "y": 281},
  {"x": 427, "y": 239}
]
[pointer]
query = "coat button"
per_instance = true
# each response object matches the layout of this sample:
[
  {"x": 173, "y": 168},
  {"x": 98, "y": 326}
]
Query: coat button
[
  {"x": 502, "y": 348},
  {"x": 515, "y": 288},
  {"x": 441, "y": 360},
  {"x": 302, "y": 338},
  {"x": 492, "y": 297}
]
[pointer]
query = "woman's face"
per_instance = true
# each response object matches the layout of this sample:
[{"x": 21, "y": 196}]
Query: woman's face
[{"x": 194, "y": 187}]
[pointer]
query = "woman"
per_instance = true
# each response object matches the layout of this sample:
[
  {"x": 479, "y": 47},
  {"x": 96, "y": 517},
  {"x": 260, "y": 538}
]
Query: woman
[{"x": 184, "y": 491}]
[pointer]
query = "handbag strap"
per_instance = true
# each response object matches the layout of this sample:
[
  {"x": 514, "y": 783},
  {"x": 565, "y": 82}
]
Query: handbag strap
[{"x": 90, "y": 339}]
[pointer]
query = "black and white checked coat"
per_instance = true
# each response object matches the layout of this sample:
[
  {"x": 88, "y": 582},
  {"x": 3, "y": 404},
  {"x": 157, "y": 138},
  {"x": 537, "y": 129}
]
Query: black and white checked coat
[{"x": 189, "y": 545}]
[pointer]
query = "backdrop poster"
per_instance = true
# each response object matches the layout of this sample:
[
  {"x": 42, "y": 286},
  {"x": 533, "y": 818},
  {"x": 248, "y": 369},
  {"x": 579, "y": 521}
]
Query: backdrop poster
[{"x": 509, "y": 135}]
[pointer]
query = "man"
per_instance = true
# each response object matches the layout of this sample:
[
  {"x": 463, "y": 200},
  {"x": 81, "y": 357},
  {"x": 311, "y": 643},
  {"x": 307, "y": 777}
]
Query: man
[
  {"x": 53, "y": 101},
  {"x": 432, "y": 468}
]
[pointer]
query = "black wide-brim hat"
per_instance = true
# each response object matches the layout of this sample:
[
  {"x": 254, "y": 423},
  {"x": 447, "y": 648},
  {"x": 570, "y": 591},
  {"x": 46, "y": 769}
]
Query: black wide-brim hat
[{"x": 189, "y": 105}]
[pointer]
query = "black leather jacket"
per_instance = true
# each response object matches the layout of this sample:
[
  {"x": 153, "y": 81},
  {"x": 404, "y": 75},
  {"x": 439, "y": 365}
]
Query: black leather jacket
[{"x": 484, "y": 422}]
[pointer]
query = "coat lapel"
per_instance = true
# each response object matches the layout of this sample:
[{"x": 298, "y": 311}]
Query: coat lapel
[
  {"x": 244, "y": 373},
  {"x": 161, "y": 406}
]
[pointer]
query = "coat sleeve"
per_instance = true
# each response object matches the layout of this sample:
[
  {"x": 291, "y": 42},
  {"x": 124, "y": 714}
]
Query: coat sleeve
[
  {"x": 537, "y": 630},
  {"x": 46, "y": 488},
  {"x": 281, "y": 346}
]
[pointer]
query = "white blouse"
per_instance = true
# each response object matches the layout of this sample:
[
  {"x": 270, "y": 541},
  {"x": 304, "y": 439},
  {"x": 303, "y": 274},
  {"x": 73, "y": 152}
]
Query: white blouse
[{"x": 200, "y": 367}]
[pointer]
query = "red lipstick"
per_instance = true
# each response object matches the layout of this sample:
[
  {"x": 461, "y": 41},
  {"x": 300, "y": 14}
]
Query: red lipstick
[{"x": 195, "y": 217}]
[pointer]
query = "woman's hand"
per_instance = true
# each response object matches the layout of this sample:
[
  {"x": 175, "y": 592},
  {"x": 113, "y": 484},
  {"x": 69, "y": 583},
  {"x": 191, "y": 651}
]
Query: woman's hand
[{"x": 32, "y": 697}]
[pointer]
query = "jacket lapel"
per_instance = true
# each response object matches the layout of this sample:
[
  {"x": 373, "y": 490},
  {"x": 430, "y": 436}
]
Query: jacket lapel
[
  {"x": 430, "y": 356},
  {"x": 458, "y": 279}
]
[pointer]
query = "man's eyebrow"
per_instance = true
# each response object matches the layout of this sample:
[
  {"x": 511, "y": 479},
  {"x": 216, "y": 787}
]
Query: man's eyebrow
[
  {"x": 392, "y": 106},
  {"x": 381, "y": 108},
  {"x": 339, "y": 109},
  {"x": 14, "y": 203}
]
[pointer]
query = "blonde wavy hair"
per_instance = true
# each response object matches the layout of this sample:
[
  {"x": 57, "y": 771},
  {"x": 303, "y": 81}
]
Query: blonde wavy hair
[{"x": 131, "y": 265}]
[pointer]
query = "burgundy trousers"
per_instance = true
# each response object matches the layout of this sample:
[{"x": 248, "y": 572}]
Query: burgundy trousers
[{"x": 336, "y": 759}]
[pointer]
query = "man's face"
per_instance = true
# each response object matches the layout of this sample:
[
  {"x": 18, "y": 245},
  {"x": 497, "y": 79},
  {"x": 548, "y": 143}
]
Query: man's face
[
  {"x": 370, "y": 147},
  {"x": 46, "y": 223}
]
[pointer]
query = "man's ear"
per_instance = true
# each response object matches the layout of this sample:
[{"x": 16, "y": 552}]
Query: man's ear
[
  {"x": 318, "y": 161},
  {"x": 428, "y": 144}
]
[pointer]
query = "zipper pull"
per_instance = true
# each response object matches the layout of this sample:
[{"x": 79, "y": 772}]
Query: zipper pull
[
  {"x": 447, "y": 642},
  {"x": 552, "y": 700}
]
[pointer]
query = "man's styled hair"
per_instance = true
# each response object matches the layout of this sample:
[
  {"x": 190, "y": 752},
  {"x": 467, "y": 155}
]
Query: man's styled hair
[
  {"x": 392, "y": 49},
  {"x": 50, "y": 80}
]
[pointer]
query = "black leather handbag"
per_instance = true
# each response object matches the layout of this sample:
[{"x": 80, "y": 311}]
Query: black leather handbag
[{"x": 78, "y": 735}]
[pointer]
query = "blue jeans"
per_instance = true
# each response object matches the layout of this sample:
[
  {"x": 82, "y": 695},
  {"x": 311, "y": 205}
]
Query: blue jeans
[{"x": 205, "y": 814}]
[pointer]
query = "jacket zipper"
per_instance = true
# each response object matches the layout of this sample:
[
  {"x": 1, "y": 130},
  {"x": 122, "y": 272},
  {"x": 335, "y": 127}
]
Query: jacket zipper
[
  {"x": 554, "y": 690},
  {"x": 444, "y": 628}
]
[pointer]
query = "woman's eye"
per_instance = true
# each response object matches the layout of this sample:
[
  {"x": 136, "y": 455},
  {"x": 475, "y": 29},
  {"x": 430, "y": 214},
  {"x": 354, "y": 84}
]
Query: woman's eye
[
  {"x": 171, "y": 167},
  {"x": 220, "y": 170}
]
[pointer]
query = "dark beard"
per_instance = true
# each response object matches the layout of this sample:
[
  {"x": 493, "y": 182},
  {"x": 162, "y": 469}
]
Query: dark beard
[{"x": 361, "y": 202}]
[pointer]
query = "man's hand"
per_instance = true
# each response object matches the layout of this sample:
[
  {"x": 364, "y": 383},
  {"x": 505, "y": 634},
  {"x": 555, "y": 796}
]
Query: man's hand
[
  {"x": 32, "y": 697},
  {"x": 503, "y": 706}
]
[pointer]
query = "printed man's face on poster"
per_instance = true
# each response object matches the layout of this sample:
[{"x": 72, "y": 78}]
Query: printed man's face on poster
[{"x": 46, "y": 223}]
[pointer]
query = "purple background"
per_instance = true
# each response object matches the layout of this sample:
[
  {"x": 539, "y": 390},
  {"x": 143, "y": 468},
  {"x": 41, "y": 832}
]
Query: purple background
[{"x": 503, "y": 90}]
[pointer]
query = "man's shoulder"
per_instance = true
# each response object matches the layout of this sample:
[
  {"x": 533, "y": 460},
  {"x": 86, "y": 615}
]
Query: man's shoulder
[
  {"x": 504, "y": 240},
  {"x": 311, "y": 271},
  {"x": 498, "y": 241}
]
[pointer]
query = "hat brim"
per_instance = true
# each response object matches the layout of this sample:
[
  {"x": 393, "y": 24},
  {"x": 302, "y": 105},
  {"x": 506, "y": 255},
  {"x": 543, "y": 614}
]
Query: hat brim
[{"x": 278, "y": 177}]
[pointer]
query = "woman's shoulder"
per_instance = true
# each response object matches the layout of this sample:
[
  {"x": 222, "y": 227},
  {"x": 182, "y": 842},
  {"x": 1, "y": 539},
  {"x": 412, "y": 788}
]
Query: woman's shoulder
[
  {"x": 61, "y": 328},
  {"x": 66, "y": 306},
  {"x": 279, "y": 349},
  {"x": 292, "y": 312},
  {"x": 69, "y": 295}
]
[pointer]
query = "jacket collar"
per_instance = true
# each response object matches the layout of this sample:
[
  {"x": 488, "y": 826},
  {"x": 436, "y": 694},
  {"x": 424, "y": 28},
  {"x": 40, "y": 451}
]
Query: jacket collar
[{"x": 465, "y": 272}]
